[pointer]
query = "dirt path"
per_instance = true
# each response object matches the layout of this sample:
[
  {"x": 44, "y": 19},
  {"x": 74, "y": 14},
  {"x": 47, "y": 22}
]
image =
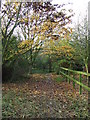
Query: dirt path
[{"x": 41, "y": 97}]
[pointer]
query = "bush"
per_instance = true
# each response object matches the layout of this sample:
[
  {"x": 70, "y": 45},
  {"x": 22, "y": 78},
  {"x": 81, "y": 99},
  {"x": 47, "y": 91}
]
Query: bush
[
  {"x": 7, "y": 72},
  {"x": 21, "y": 67},
  {"x": 15, "y": 70}
]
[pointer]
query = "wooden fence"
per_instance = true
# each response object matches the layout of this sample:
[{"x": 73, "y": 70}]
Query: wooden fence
[{"x": 66, "y": 72}]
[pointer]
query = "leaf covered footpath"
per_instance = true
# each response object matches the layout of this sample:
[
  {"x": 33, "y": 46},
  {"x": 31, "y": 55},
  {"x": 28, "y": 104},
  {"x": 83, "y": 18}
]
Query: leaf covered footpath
[{"x": 41, "y": 96}]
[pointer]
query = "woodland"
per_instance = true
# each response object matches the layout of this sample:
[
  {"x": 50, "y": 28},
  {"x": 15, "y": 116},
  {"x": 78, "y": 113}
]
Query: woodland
[{"x": 44, "y": 62}]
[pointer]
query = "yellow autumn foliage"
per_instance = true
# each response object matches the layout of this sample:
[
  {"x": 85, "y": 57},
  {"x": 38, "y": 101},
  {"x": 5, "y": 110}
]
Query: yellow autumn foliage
[{"x": 25, "y": 43}]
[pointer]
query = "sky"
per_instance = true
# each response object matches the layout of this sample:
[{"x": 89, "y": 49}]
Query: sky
[{"x": 80, "y": 8}]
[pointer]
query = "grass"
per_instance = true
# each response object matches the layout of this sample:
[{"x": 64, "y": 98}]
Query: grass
[
  {"x": 39, "y": 71},
  {"x": 17, "y": 105},
  {"x": 59, "y": 79},
  {"x": 80, "y": 108},
  {"x": 79, "y": 105}
]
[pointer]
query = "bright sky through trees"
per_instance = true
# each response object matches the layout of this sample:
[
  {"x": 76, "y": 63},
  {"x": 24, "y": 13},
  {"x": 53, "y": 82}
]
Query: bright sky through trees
[{"x": 79, "y": 7}]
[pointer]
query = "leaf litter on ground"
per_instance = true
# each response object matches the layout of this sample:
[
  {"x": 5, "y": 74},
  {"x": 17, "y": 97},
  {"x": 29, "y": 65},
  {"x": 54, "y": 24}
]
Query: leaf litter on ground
[{"x": 42, "y": 96}]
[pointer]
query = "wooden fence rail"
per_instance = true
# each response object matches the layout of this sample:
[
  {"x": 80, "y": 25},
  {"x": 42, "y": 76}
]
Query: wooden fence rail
[{"x": 67, "y": 75}]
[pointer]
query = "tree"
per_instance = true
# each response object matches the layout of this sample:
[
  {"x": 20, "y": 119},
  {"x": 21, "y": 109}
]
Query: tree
[
  {"x": 10, "y": 20},
  {"x": 39, "y": 26},
  {"x": 38, "y": 21},
  {"x": 80, "y": 42},
  {"x": 59, "y": 50}
]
